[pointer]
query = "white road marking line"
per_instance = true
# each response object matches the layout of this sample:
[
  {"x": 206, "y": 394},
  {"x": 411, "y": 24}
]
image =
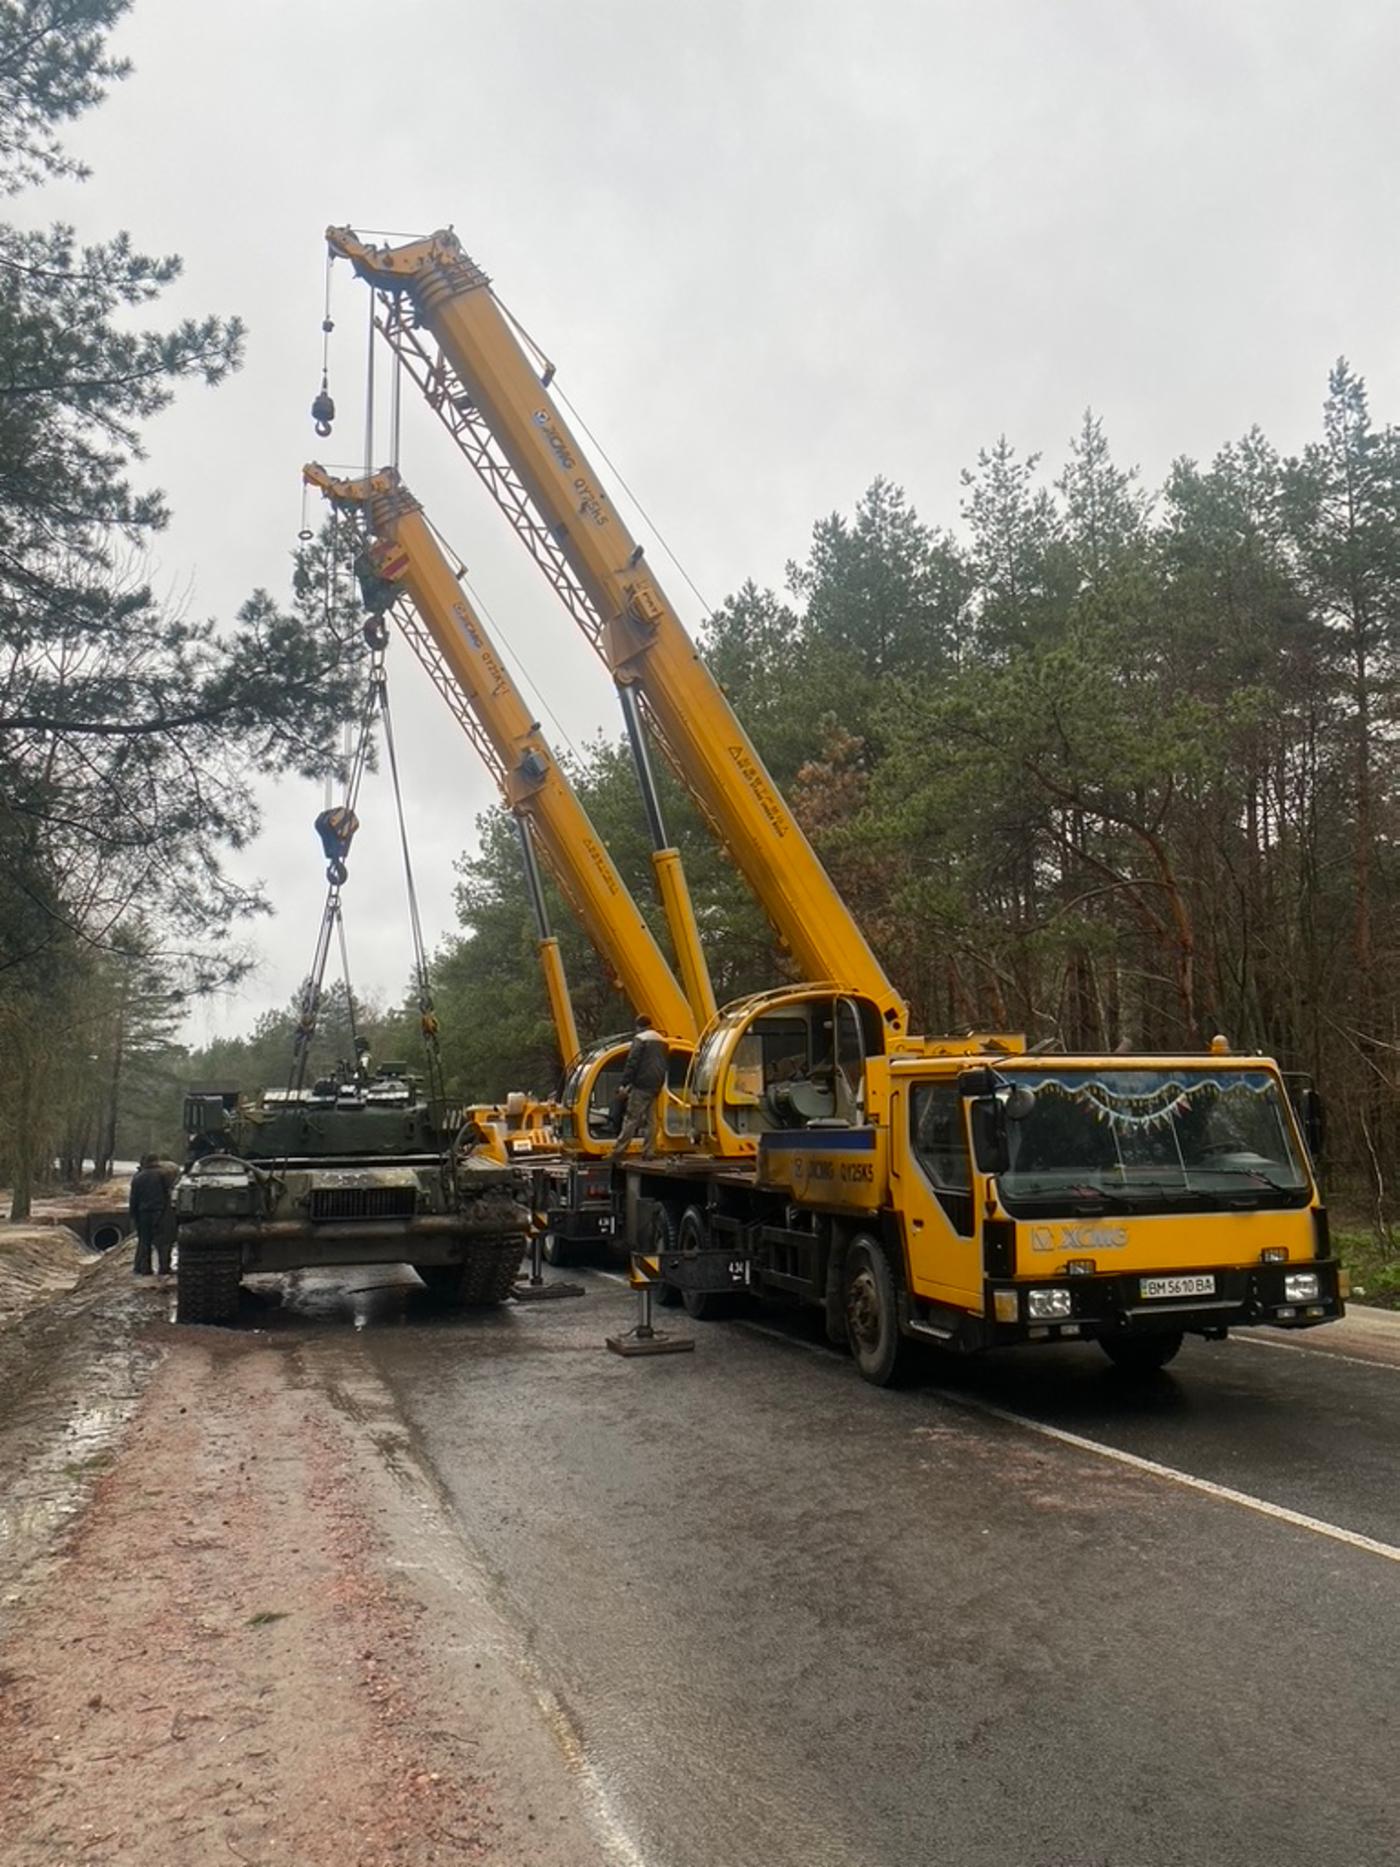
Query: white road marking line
[
  {"x": 1280, "y": 1512},
  {"x": 1225, "y": 1493},
  {"x": 1327, "y": 1354},
  {"x": 613, "y": 1277}
]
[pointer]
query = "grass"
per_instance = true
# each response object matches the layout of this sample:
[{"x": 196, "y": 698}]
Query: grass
[
  {"x": 266, "y": 1618},
  {"x": 1375, "y": 1271},
  {"x": 94, "y": 1462}
]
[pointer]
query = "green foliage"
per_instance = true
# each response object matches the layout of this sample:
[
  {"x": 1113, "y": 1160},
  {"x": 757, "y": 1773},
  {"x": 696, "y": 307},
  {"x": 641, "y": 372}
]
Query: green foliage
[
  {"x": 53, "y": 66},
  {"x": 1105, "y": 767},
  {"x": 129, "y": 733}
]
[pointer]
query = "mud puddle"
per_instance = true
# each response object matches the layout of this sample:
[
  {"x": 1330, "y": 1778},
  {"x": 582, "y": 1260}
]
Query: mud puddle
[{"x": 71, "y": 1377}]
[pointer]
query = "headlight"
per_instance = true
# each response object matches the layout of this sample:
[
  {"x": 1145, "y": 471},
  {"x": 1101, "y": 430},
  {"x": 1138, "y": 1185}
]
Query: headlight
[
  {"x": 1301, "y": 1287},
  {"x": 1050, "y": 1305}
]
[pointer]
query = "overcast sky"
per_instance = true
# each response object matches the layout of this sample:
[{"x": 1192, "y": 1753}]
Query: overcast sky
[{"x": 775, "y": 248}]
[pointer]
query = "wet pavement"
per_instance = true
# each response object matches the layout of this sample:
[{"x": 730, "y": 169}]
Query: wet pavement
[
  {"x": 1023, "y": 1612},
  {"x": 792, "y": 1619},
  {"x": 71, "y": 1375}
]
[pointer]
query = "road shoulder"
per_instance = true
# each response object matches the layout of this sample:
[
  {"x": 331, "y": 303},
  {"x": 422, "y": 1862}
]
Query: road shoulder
[{"x": 234, "y": 1657}]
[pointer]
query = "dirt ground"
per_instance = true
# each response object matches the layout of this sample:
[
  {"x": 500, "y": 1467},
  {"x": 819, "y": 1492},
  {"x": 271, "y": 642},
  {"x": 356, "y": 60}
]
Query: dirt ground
[
  {"x": 36, "y": 1263},
  {"x": 225, "y": 1665}
]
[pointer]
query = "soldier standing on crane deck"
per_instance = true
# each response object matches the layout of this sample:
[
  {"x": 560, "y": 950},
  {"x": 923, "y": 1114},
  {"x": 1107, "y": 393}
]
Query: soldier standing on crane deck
[{"x": 643, "y": 1078}]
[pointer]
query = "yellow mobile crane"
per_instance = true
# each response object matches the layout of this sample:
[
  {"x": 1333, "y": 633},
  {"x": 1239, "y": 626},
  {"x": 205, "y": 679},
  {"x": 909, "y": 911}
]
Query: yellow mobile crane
[
  {"x": 962, "y": 1191},
  {"x": 446, "y": 632}
]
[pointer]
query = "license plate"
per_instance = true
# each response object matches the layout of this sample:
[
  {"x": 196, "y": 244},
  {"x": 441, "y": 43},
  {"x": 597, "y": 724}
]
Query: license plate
[
  {"x": 1176, "y": 1286},
  {"x": 606, "y": 1224}
]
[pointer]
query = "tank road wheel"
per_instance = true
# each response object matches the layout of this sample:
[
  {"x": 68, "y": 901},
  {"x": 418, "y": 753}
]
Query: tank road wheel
[
  {"x": 207, "y": 1279},
  {"x": 872, "y": 1314},
  {"x": 703, "y": 1305},
  {"x": 1142, "y": 1354}
]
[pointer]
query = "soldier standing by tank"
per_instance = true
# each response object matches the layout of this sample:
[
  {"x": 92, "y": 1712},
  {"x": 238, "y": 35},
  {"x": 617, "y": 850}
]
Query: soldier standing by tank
[
  {"x": 165, "y": 1230},
  {"x": 150, "y": 1199},
  {"x": 643, "y": 1077}
]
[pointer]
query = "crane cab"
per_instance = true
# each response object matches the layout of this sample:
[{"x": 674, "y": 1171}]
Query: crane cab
[{"x": 781, "y": 1061}]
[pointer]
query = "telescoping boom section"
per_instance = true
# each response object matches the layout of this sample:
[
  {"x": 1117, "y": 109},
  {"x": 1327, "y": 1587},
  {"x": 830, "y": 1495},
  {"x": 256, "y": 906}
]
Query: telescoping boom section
[
  {"x": 495, "y": 399},
  {"x": 515, "y": 751}
]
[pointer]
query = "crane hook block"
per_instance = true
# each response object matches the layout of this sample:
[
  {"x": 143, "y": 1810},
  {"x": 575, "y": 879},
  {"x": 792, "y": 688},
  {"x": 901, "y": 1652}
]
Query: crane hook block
[
  {"x": 323, "y": 410},
  {"x": 336, "y": 828}
]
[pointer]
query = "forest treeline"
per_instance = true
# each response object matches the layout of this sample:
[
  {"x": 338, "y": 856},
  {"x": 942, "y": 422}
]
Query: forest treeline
[
  {"x": 130, "y": 730},
  {"x": 1108, "y": 764}
]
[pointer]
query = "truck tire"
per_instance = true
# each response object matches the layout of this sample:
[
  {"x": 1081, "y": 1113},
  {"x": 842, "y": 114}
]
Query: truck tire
[
  {"x": 207, "y": 1279},
  {"x": 663, "y": 1238},
  {"x": 559, "y": 1251},
  {"x": 1142, "y": 1354},
  {"x": 703, "y": 1305},
  {"x": 881, "y": 1354}
]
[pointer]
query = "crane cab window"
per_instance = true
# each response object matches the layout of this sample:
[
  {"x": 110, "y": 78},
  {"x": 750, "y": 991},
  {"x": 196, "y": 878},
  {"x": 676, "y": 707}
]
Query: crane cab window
[
  {"x": 802, "y": 1064},
  {"x": 848, "y": 1076},
  {"x": 772, "y": 1065},
  {"x": 601, "y": 1098},
  {"x": 939, "y": 1141}
]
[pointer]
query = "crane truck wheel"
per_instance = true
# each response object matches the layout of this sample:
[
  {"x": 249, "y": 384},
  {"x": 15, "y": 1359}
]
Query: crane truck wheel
[
  {"x": 663, "y": 1238},
  {"x": 1142, "y": 1354},
  {"x": 703, "y": 1305},
  {"x": 557, "y": 1250},
  {"x": 881, "y": 1353}
]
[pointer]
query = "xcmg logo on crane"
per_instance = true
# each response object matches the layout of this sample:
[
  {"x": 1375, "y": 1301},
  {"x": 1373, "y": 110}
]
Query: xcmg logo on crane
[
  {"x": 559, "y": 447},
  {"x": 591, "y": 502}
]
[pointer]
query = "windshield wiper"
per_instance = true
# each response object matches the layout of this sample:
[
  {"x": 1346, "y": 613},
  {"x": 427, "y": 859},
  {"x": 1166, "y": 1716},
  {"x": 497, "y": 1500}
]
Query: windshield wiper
[
  {"x": 1127, "y": 1193},
  {"x": 1253, "y": 1174},
  {"x": 1058, "y": 1194}
]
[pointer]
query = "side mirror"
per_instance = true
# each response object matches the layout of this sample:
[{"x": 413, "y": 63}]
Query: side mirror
[
  {"x": 1313, "y": 1112},
  {"x": 989, "y": 1134}
]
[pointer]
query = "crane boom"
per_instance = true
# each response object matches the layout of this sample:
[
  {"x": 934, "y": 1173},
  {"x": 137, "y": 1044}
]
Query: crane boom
[
  {"x": 514, "y": 749},
  {"x": 488, "y": 390}
]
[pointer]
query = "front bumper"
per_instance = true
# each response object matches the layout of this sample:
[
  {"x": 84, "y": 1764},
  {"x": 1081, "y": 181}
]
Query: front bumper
[{"x": 1114, "y": 1305}]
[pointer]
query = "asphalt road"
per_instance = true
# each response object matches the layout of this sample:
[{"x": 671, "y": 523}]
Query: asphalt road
[{"x": 1022, "y": 1614}]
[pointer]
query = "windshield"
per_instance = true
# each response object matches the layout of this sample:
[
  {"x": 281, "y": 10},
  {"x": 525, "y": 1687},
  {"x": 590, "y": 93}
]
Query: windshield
[
  {"x": 602, "y": 1086},
  {"x": 1151, "y": 1139}
]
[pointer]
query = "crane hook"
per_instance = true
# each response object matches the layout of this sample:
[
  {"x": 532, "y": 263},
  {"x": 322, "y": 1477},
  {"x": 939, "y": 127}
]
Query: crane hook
[{"x": 323, "y": 409}]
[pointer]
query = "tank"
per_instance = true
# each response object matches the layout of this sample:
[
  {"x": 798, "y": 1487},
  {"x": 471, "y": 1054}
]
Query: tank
[{"x": 351, "y": 1171}]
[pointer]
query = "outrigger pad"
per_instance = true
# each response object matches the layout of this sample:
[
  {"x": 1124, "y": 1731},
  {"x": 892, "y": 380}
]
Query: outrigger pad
[
  {"x": 652, "y": 1343},
  {"x": 535, "y": 1293}
]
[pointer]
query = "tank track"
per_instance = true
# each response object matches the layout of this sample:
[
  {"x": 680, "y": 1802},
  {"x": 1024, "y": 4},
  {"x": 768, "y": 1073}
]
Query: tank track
[
  {"x": 206, "y": 1283},
  {"x": 489, "y": 1274}
]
